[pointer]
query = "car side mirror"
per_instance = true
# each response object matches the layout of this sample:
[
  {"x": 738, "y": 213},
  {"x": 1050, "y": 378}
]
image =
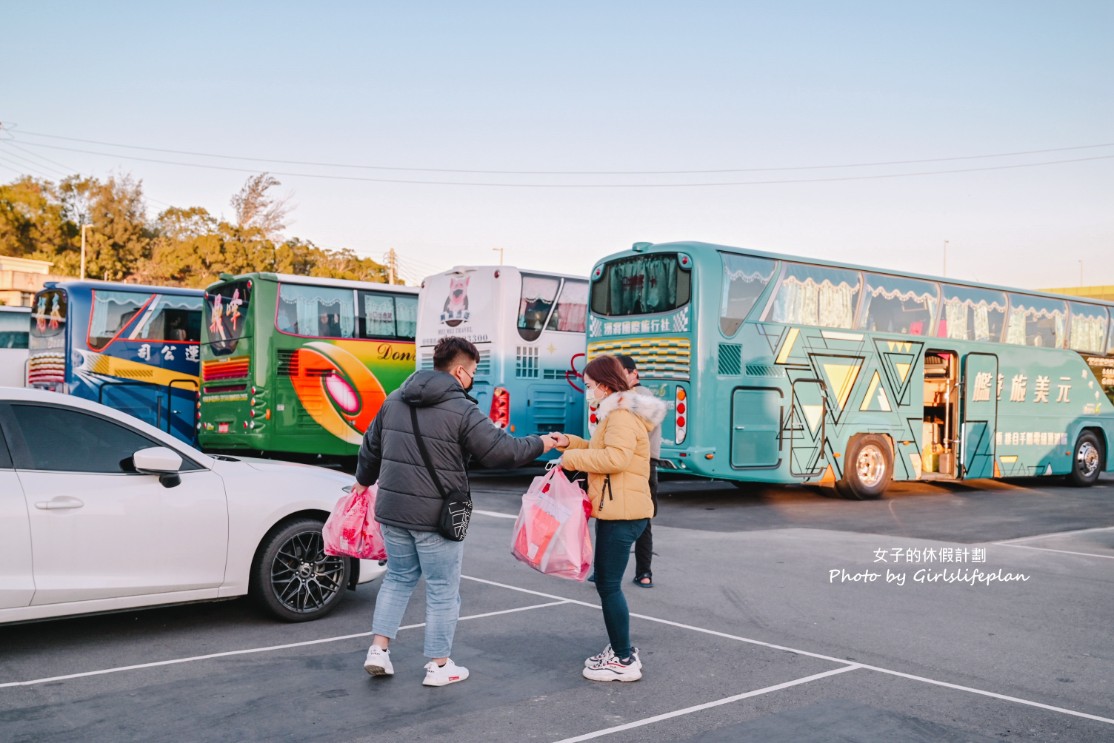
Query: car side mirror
[{"x": 161, "y": 461}]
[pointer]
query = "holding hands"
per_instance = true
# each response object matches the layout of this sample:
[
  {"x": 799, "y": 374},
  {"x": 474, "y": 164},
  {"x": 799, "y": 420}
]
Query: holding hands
[{"x": 554, "y": 439}]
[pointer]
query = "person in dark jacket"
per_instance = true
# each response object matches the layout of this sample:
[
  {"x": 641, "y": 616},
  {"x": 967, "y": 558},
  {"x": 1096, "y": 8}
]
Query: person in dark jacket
[{"x": 408, "y": 504}]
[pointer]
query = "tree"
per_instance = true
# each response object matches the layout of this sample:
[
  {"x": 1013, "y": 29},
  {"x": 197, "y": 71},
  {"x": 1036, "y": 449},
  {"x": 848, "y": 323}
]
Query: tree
[
  {"x": 120, "y": 239},
  {"x": 32, "y": 223},
  {"x": 257, "y": 210}
]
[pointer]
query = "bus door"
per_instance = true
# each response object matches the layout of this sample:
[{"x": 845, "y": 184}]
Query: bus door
[
  {"x": 979, "y": 414},
  {"x": 806, "y": 428}
]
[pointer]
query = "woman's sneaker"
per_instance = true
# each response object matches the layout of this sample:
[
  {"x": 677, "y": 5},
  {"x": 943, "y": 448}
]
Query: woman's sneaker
[
  {"x": 615, "y": 669},
  {"x": 378, "y": 662},
  {"x": 449, "y": 673},
  {"x": 607, "y": 655}
]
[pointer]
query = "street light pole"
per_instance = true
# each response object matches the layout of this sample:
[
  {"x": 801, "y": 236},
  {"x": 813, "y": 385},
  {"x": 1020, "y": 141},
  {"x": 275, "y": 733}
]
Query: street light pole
[
  {"x": 945, "y": 259},
  {"x": 500, "y": 252},
  {"x": 83, "y": 250}
]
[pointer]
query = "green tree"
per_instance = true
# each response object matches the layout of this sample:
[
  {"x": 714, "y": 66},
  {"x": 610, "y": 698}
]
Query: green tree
[
  {"x": 33, "y": 225},
  {"x": 120, "y": 239}
]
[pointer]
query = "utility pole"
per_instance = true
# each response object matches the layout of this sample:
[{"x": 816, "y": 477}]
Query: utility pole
[
  {"x": 83, "y": 227},
  {"x": 500, "y": 252},
  {"x": 392, "y": 266},
  {"x": 945, "y": 259}
]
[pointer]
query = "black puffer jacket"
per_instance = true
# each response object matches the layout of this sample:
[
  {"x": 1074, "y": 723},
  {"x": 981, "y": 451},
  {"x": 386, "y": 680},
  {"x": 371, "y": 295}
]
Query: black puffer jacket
[{"x": 453, "y": 428}]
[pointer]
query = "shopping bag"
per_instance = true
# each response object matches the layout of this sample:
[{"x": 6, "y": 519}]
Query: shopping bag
[
  {"x": 351, "y": 528},
  {"x": 551, "y": 532}
]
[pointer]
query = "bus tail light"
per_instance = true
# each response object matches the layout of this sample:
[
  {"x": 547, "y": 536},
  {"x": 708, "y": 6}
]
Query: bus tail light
[
  {"x": 680, "y": 422},
  {"x": 501, "y": 407}
]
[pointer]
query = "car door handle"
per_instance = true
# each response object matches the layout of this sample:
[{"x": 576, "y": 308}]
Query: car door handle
[{"x": 59, "y": 503}]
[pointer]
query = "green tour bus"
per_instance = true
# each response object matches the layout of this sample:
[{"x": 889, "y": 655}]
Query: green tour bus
[
  {"x": 297, "y": 367},
  {"x": 788, "y": 370}
]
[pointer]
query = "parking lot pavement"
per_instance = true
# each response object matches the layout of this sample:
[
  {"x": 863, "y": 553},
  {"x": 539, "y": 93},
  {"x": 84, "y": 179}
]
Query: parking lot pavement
[{"x": 748, "y": 635}]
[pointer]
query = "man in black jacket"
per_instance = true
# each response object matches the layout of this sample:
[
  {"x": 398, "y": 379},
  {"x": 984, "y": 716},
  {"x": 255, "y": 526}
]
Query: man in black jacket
[{"x": 408, "y": 504}]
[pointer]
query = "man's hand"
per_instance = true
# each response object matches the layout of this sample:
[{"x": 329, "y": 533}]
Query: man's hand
[
  {"x": 548, "y": 442},
  {"x": 359, "y": 489}
]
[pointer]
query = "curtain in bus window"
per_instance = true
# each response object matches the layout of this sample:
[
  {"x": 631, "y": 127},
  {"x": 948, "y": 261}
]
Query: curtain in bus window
[
  {"x": 538, "y": 294},
  {"x": 572, "y": 308},
  {"x": 899, "y": 305},
  {"x": 379, "y": 316},
  {"x": 112, "y": 311},
  {"x": 1036, "y": 322},
  {"x": 971, "y": 314},
  {"x": 320, "y": 310},
  {"x": 644, "y": 285},
  {"x": 811, "y": 295},
  {"x": 1088, "y": 328},
  {"x": 406, "y": 316},
  {"x": 745, "y": 278}
]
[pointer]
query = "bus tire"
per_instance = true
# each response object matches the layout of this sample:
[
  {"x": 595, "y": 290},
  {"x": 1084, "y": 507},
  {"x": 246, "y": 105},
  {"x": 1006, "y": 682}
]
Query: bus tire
[
  {"x": 1086, "y": 461},
  {"x": 292, "y": 578},
  {"x": 868, "y": 467}
]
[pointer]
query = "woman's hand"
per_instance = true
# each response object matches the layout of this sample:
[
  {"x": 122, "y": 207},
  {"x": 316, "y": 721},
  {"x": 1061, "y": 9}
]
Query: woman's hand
[{"x": 561, "y": 439}]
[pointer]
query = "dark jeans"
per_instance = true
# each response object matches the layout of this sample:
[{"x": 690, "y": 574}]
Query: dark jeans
[
  {"x": 613, "y": 543},
  {"x": 644, "y": 547}
]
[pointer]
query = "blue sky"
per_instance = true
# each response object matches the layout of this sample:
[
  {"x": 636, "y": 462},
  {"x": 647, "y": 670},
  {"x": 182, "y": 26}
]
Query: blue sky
[{"x": 608, "y": 86}]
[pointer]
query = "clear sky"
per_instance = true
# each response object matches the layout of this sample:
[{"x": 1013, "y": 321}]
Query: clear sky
[{"x": 769, "y": 90}]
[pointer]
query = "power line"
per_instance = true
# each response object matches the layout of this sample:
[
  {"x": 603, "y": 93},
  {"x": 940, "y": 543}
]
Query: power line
[
  {"x": 563, "y": 172},
  {"x": 481, "y": 184}
]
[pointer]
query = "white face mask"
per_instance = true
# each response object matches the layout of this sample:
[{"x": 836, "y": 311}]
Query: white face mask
[{"x": 590, "y": 397}]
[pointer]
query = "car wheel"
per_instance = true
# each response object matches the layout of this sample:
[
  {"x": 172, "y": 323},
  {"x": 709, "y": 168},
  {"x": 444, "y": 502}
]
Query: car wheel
[
  {"x": 293, "y": 578},
  {"x": 1086, "y": 463},
  {"x": 867, "y": 469}
]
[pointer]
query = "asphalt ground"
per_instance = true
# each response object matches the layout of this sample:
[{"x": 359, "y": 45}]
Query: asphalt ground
[{"x": 764, "y": 625}]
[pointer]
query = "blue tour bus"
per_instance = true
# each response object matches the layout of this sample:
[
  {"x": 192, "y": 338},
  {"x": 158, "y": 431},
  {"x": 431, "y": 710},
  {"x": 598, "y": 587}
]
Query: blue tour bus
[{"x": 134, "y": 348}]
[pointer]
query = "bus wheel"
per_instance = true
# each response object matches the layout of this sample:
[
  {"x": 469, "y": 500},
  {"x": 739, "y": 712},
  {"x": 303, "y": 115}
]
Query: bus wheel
[
  {"x": 867, "y": 469},
  {"x": 1087, "y": 462}
]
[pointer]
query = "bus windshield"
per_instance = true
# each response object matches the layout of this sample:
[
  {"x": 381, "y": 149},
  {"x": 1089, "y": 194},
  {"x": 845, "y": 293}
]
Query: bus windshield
[
  {"x": 48, "y": 318},
  {"x": 112, "y": 311},
  {"x": 226, "y": 313},
  {"x": 641, "y": 285}
]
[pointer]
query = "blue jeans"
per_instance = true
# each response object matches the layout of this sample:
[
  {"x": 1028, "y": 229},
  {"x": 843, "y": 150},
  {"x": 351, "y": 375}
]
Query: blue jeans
[
  {"x": 410, "y": 555},
  {"x": 613, "y": 543}
]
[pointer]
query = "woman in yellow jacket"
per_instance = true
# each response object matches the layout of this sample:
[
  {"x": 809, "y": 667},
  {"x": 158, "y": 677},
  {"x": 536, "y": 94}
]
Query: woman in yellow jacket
[{"x": 617, "y": 460}]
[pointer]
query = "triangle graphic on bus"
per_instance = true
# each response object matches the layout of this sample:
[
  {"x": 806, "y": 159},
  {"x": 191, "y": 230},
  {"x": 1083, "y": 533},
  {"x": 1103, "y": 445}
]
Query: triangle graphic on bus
[
  {"x": 813, "y": 414},
  {"x": 875, "y": 398},
  {"x": 898, "y": 360},
  {"x": 840, "y": 375}
]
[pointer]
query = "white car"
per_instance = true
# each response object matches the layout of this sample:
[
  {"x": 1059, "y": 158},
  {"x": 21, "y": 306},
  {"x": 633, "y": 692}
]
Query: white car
[{"x": 102, "y": 512}]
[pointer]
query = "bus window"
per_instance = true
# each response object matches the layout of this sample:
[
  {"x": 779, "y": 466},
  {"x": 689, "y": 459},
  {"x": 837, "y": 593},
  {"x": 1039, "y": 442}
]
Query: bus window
[
  {"x": 642, "y": 284},
  {"x": 14, "y": 329},
  {"x": 388, "y": 316},
  {"x": 972, "y": 314},
  {"x": 534, "y": 304},
  {"x": 745, "y": 277},
  {"x": 894, "y": 305},
  {"x": 175, "y": 319},
  {"x": 112, "y": 311},
  {"x": 1088, "y": 327},
  {"x": 813, "y": 295},
  {"x": 572, "y": 308},
  {"x": 319, "y": 311},
  {"x": 1036, "y": 322},
  {"x": 226, "y": 311},
  {"x": 48, "y": 318}
]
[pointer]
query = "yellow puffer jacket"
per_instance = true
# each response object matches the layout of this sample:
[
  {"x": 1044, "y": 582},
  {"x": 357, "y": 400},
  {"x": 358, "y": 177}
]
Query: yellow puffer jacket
[{"x": 619, "y": 449}]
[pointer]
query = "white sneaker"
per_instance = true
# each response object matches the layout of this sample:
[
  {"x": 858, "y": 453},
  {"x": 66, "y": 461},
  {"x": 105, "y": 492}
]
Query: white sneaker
[
  {"x": 606, "y": 655},
  {"x": 378, "y": 662},
  {"x": 615, "y": 670},
  {"x": 449, "y": 673}
]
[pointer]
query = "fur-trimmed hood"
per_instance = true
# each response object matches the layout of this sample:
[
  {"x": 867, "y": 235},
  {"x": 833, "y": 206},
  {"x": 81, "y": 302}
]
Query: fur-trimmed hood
[{"x": 647, "y": 407}]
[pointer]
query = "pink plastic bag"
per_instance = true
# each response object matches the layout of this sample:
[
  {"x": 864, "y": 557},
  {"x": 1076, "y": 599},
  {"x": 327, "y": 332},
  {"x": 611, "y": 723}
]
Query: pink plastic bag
[
  {"x": 352, "y": 529},
  {"x": 551, "y": 533}
]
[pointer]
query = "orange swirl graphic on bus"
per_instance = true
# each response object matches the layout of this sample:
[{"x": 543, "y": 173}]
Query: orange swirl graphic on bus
[{"x": 337, "y": 390}]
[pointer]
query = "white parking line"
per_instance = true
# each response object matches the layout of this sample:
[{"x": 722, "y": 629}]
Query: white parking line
[
  {"x": 1070, "y": 532},
  {"x": 250, "y": 651},
  {"x": 708, "y": 705},
  {"x": 842, "y": 661},
  {"x": 496, "y": 514}
]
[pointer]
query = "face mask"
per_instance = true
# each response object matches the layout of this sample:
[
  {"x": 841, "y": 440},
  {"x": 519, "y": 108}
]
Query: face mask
[{"x": 590, "y": 397}]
